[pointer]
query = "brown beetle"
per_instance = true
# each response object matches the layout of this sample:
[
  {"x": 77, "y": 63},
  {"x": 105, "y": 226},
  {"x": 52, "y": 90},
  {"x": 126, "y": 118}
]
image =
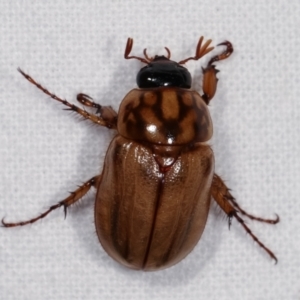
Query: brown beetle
[{"x": 154, "y": 192}]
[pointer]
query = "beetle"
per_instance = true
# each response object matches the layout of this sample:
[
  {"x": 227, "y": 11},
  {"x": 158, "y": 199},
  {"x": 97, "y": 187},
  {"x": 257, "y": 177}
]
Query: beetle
[{"x": 155, "y": 189}]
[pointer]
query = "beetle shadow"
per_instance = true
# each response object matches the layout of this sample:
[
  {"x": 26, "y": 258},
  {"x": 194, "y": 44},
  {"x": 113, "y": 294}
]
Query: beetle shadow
[{"x": 94, "y": 145}]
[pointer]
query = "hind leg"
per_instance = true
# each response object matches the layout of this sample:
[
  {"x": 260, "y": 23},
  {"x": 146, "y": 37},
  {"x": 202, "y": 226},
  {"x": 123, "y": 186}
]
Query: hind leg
[
  {"x": 74, "y": 197},
  {"x": 222, "y": 196}
]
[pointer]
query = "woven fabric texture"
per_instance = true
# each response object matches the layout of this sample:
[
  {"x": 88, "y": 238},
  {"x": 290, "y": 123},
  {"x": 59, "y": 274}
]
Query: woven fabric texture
[{"x": 74, "y": 47}]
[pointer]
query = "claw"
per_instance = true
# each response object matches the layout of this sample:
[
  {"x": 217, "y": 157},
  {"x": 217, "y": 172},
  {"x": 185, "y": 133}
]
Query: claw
[
  {"x": 65, "y": 211},
  {"x": 87, "y": 96},
  {"x": 224, "y": 54}
]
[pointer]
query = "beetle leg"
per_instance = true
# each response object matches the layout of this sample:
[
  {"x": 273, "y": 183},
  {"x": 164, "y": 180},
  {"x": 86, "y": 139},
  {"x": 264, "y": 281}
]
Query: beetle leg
[
  {"x": 74, "y": 197},
  {"x": 106, "y": 112},
  {"x": 209, "y": 85},
  {"x": 210, "y": 79},
  {"x": 223, "y": 197},
  {"x": 72, "y": 107},
  {"x": 225, "y": 54}
]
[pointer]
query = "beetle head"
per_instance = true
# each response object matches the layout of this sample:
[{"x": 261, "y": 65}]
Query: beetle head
[{"x": 161, "y": 71}]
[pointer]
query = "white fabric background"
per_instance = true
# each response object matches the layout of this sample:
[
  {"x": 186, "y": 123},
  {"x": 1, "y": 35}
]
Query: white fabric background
[{"x": 77, "y": 46}]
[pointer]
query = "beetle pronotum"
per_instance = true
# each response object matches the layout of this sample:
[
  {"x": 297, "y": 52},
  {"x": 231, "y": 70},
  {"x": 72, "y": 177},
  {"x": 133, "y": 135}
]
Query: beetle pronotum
[{"x": 154, "y": 192}]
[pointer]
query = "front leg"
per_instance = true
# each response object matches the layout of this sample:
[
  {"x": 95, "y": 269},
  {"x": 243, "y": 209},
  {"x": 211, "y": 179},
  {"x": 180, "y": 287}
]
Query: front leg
[
  {"x": 222, "y": 196},
  {"x": 210, "y": 79},
  {"x": 106, "y": 112}
]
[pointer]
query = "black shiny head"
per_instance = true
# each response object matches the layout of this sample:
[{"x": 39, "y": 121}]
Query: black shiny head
[{"x": 162, "y": 71}]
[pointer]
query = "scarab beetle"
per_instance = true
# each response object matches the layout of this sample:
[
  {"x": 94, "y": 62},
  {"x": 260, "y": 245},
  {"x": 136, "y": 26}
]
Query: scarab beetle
[{"x": 154, "y": 192}]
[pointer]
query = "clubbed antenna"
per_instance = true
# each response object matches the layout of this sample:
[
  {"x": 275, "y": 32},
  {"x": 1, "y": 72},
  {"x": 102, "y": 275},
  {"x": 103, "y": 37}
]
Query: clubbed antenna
[
  {"x": 128, "y": 49},
  {"x": 147, "y": 58},
  {"x": 200, "y": 51}
]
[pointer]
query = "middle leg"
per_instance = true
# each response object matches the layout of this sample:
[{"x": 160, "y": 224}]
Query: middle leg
[{"x": 99, "y": 120}]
